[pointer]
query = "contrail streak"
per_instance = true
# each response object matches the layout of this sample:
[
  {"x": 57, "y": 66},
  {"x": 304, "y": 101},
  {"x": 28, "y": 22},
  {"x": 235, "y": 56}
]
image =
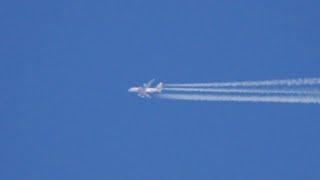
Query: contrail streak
[
  {"x": 274, "y": 99},
  {"x": 256, "y": 91},
  {"x": 287, "y": 82}
]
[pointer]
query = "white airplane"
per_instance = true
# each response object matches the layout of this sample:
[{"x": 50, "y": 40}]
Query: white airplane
[{"x": 146, "y": 90}]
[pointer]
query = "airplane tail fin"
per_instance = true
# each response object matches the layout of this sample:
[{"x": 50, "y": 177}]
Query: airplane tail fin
[{"x": 159, "y": 87}]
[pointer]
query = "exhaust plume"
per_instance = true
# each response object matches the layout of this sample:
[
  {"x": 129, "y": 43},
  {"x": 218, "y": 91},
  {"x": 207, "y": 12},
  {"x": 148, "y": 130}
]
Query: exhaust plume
[
  {"x": 243, "y": 98},
  {"x": 255, "y": 91},
  {"x": 287, "y": 82}
]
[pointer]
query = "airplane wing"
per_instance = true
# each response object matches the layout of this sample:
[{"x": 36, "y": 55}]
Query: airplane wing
[
  {"x": 147, "y": 85},
  {"x": 142, "y": 93}
]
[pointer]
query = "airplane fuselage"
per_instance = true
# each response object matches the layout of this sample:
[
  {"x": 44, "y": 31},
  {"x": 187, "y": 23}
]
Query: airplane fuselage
[
  {"x": 134, "y": 89},
  {"x": 152, "y": 90},
  {"x": 146, "y": 90}
]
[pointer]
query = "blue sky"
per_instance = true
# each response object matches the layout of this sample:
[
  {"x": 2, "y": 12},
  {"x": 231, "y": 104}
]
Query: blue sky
[{"x": 65, "y": 67}]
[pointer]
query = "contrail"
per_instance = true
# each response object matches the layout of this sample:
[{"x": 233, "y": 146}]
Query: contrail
[
  {"x": 255, "y": 91},
  {"x": 235, "y": 98},
  {"x": 287, "y": 82}
]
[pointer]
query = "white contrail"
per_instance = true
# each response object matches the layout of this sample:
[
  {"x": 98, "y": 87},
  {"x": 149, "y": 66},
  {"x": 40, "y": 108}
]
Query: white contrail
[
  {"x": 255, "y": 91},
  {"x": 274, "y": 99},
  {"x": 287, "y": 82}
]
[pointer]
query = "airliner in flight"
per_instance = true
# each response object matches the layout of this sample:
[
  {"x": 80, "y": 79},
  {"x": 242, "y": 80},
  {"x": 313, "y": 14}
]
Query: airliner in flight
[{"x": 146, "y": 89}]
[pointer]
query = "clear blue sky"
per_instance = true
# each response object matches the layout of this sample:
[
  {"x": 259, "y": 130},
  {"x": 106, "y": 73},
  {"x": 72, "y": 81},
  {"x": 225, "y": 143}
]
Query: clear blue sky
[{"x": 65, "y": 67}]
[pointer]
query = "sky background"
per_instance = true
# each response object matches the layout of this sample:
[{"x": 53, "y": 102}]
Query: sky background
[{"x": 66, "y": 66}]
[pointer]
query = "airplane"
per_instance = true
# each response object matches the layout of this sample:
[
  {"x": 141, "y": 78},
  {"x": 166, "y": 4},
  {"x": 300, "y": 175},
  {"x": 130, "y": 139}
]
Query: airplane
[{"x": 146, "y": 89}]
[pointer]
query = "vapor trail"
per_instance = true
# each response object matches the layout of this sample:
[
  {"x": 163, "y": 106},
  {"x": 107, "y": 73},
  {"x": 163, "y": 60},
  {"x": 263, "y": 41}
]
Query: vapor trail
[
  {"x": 274, "y": 99},
  {"x": 256, "y": 91},
  {"x": 286, "y": 82}
]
